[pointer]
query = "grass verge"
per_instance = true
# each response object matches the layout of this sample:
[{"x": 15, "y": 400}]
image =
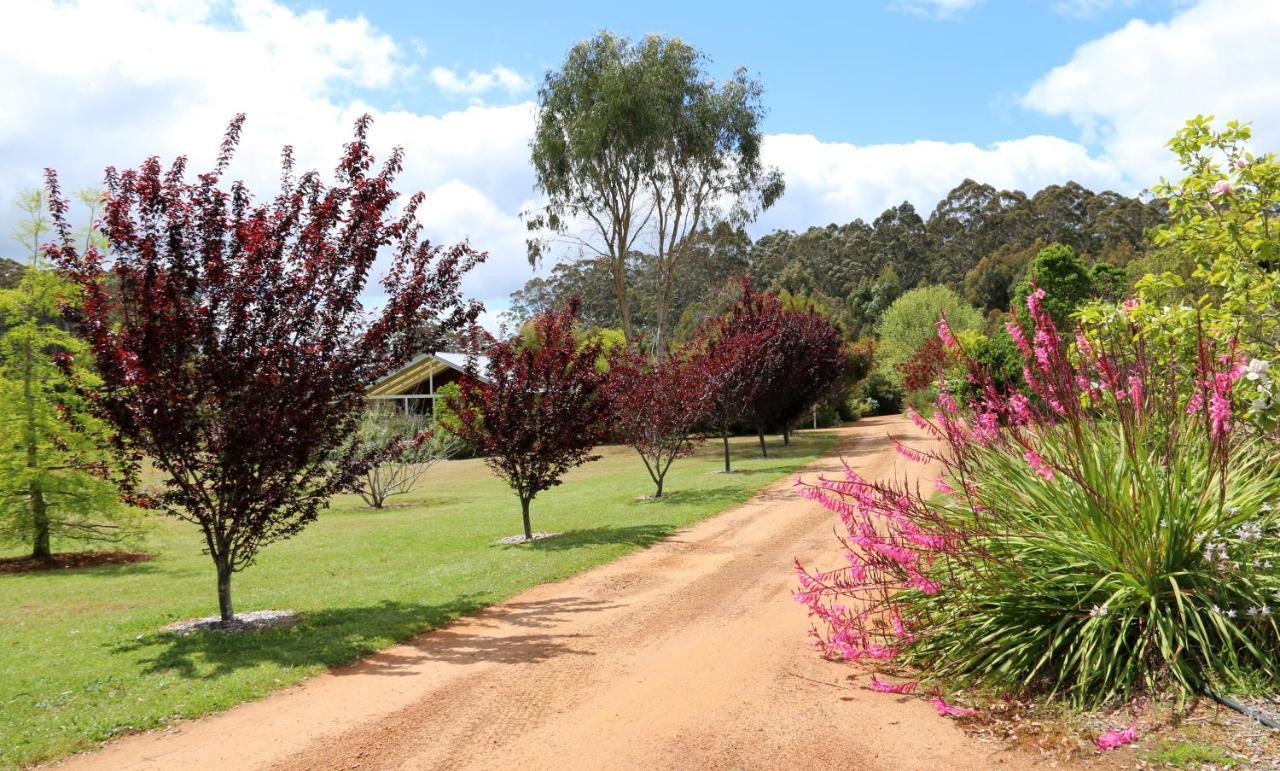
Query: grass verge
[{"x": 82, "y": 660}]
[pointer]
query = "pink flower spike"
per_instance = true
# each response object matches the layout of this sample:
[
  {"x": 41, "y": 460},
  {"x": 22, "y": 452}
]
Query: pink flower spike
[
  {"x": 1033, "y": 301},
  {"x": 1117, "y": 738},
  {"x": 880, "y": 686},
  {"x": 911, "y": 454},
  {"x": 944, "y": 333},
  {"x": 918, "y": 419},
  {"x": 947, "y": 710},
  {"x": 942, "y": 486},
  {"x": 947, "y": 403},
  {"x": 1195, "y": 403},
  {"x": 1040, "y": 465}
]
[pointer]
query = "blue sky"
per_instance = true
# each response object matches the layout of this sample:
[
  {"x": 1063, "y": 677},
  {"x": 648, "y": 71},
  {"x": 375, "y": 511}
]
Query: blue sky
[
  {"x": 862, "y": 72},
  {"x": 871, "y": 102}
]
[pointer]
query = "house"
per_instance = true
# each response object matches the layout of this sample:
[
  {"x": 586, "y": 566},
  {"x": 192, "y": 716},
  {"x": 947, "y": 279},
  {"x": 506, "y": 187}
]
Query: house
[{"x": 413, "y": 388}]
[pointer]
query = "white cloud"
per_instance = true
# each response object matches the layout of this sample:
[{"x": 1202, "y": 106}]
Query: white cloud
[
  {"x": 937, "y": 9},
  {"x": 835, "y": 182},
  {"x": 174, "y": 73},
  {"x": 474, "y": 83},
  {"x": 1130, "y": 90},
  {"x": 1083, "y": 9}
]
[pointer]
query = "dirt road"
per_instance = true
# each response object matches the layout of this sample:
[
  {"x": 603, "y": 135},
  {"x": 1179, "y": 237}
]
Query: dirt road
[{"x": 690, "y": 654}]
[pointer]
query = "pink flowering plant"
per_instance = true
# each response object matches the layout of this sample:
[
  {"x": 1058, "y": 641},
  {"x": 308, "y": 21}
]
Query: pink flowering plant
[{"x": 1109, "y": 531}]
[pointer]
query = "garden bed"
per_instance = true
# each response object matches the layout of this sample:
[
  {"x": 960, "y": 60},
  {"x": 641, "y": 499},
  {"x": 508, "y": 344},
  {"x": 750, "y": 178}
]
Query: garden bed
[{"x": 73, "y": 559}]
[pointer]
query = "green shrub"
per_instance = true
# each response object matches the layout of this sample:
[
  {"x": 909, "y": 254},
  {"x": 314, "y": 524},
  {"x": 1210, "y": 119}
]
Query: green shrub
[
  {"x": 911, "y": 321},
  {"x": 1116, "y": 532}
]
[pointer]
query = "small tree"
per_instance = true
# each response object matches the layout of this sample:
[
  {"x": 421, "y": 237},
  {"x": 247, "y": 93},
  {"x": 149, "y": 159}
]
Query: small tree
[
  {"x": 1067, "y": 283},
  {"x": 658, "y": 407},
  {"x": 540, "y": 409},
  {"x": 54, "y": 454},
  {"x": 234, "y": 350},
  {"x": 408, "y": 445}
]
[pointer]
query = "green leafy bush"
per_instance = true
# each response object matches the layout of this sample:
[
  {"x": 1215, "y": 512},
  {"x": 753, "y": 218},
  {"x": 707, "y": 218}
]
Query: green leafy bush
[{"x": 911, "y": 321}]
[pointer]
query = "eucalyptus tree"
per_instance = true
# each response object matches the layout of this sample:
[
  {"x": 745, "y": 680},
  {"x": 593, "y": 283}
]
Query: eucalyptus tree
[{"x": 637, "y": 145}]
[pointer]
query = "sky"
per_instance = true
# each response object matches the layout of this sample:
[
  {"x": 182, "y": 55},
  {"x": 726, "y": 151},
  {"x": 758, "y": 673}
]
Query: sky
[{"x": 870, "y": 102}]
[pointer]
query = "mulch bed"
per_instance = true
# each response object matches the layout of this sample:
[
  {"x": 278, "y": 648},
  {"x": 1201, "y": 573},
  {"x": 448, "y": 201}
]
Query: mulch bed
[
  {"x": 73, "y": 559},
  {"x": 513, "y": 540},
  {"x": 254, "y": 621}
]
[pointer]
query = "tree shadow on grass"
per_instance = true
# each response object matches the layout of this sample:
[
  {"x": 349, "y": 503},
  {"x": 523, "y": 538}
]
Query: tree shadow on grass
[
  {"x": 102, "y": 571},
  {"x": 328, "y": 637},
  {"x": 636, "y": 535},
  {"x": 340, "y": 636}
]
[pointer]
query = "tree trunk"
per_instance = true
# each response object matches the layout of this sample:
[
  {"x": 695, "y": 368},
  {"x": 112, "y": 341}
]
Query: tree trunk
[
  {"x": 764, "y": 448},
  {"x": 620, "y": 290},
  {"x": 528, "y": 529},
  {"x": 40, "y": 524},
  {"x": 224, "y": 589},
  {"x": 658, "y": 494},
  {"x": 724, "y": 433},
  {"x": 39, "y": 507},
  {"x": 786, "y": 436}
]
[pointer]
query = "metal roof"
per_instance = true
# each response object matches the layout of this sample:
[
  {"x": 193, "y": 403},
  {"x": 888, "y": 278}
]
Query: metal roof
[{"x": 425, "y": 365}]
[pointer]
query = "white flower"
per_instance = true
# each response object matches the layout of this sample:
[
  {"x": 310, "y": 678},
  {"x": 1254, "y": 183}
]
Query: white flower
[
  {"x": 1260, "y": 403},
  {"x": 1231, "y": 614},
  {"x": 1264, "y": 611},
  {"x": 1257, "y": 368},
  {"x": 1099, "y": 610},
  {"x": 1218, "y": 610},
  {"x": 1249, "y": 531}
]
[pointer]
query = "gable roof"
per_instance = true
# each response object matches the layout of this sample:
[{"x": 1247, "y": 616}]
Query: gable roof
[{"x": 426, "y": 365}]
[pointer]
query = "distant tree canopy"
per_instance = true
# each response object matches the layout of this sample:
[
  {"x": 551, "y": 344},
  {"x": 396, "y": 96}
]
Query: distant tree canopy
[
  {"x": 11, "y": 272},
  {"x": 978, "y": 240}
]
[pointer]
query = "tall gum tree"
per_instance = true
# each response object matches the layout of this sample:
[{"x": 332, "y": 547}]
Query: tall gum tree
[
  {"x": 234, "y": 349},
  {"x": 637, "y": 146}
]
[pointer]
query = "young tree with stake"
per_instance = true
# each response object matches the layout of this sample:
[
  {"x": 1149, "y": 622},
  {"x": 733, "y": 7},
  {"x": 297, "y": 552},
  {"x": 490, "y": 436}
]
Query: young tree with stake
[
  {"x": 542, "y": 408},
  {"x": 234, "y": 350}
]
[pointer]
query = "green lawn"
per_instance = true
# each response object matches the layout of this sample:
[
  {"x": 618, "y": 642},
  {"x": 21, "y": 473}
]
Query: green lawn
[{"x": 81, "y": 659}]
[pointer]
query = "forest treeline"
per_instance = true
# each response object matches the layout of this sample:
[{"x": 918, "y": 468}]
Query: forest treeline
[{"x": 978, "y": 241}]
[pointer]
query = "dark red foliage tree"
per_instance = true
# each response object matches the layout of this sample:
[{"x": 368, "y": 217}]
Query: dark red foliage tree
[
  {"x": 233, "y": 347},
  {"x": 739, "y": 362},
  {"x": 657, "y": 407},
  {"x": 540, "y": 408},
  {"x": 812, "y": 357},
  {"x": 925, "y": 366},
  {"x": 769, "y": 363}
]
